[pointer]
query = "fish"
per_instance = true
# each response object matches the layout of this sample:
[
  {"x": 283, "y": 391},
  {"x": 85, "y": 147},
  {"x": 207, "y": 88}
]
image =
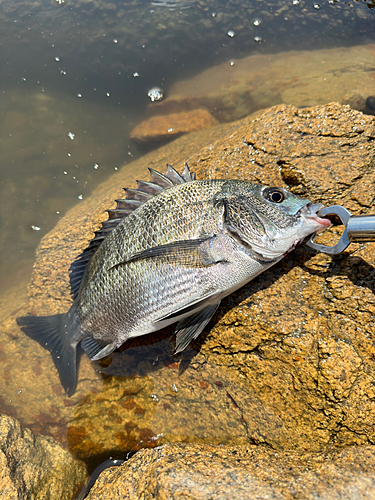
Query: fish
[{"x": 169, "y": 252}]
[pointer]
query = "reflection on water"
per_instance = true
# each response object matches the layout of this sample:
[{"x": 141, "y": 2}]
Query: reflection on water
[{"x": 75, "y": 78}]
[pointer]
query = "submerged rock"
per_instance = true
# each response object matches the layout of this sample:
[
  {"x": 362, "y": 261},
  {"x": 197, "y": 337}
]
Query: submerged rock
[
  {"x": 234, "y": 89},
  {"x": 35, "y": 467},
  {"x": 287, "y": 361},
  {"x": 166, "y": 127},
  {"x": 200, "y": 472}
]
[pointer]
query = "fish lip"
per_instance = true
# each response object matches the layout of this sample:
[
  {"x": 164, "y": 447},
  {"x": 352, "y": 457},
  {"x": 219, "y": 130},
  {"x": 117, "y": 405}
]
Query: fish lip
[{"x": 310, "y": 211}]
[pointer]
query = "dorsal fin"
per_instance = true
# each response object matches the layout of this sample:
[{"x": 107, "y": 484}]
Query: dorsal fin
[{"x": 134, "y": 199}]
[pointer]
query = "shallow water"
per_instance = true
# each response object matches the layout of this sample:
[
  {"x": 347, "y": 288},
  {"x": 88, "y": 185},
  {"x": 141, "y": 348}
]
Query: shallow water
[{"x": 74, "y": 83}]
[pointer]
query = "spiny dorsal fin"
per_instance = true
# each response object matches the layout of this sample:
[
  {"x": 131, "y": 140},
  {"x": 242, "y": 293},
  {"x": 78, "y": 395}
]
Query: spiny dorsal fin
[{"x": 134, "y": 198}]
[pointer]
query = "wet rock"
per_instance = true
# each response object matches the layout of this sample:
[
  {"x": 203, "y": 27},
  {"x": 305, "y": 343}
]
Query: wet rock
[
  {"x": 35, "y": 467},
  {"x": 237, "y": 88},
  {"x": 199, "y": 472},
  {"x": 167, "y": 127},
  {"x": 287, "y": 360}
]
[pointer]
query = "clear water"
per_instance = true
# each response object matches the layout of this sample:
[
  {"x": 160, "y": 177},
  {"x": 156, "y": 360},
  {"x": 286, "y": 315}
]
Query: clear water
[{"x": 74, "y": 79}]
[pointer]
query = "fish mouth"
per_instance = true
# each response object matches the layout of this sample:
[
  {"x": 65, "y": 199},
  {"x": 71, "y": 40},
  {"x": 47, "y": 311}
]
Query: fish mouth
[{"x": 309, "y": 213}]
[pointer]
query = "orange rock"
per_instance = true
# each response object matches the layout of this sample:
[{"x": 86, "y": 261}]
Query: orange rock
[{"x": 160, "y": 128}]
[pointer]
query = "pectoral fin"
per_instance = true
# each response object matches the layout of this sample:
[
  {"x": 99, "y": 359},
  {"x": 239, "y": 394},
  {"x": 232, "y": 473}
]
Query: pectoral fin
[
  {"x": 200, "y": 252},
  {"x": 189, "y": 328}
]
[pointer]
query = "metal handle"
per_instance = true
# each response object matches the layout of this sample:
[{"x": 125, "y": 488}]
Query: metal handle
[
  {"x": 361, "y": 228},
  {"x": 358, "y": 228}
]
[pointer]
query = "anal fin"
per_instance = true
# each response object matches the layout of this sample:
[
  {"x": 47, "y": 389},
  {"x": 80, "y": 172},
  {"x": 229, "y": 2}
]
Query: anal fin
[{"x": 96, "y": 351}]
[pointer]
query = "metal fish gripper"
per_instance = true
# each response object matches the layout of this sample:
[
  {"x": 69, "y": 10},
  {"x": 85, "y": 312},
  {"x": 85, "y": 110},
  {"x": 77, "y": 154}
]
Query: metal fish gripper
[{"x": 358, "y": 228}]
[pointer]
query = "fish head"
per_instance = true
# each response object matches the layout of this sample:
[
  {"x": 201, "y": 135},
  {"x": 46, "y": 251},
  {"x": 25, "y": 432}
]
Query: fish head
[{"x": 268, "y": 221}]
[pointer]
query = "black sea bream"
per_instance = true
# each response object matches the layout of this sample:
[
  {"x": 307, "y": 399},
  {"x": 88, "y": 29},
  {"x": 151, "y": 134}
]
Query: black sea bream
[{"x": 169, "y": 253}]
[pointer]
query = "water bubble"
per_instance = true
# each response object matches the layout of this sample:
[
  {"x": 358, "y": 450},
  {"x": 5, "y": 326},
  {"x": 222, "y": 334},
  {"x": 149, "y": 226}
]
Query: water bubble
[
  {"x": 65, "y": 172},
  {"x": 232, "y": 63},
  {"x": 19, "y": 392},
  {"x": 258, "y": 39},
  {"x": 108, "y": 94},
  {"x": 213, "y": 14},
  {"x": 155, "y": 94},
  {"x": 80, "y": 196},
  {"x": 295, "y": 2},
  {"x": 171, "y": 129},
  {"x": 69, "y": 154},
  {"x": 35, "y": 228},
  {"x": 154, "y": 397},
  {"x": 135, "y": 74},
  {"x": 231, "y": 33},
  {"x": 62, "y": 72},
  {"x": 257, "y": 22},
  {"x": 60, "y": 2},
  {"x": 96, "y": 166},
  {"x": 57, "y": 59},
  {"x": 174, "y": 388},
  {"x": 71, "y": 136},
  {"x": 79, "y": 95},
  {"x": 316, "y": 6},
  {"x": 115, "y": 40}
]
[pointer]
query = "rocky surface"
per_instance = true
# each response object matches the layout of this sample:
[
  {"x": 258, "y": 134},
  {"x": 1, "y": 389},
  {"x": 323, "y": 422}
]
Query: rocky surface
[
  {"x": 200, "y": 472},
  {"x": 236, "y": 88},
  {"x": 287, "y": 361},
  {"x": 167, "y": 127},
  {"x": 35, "y": 467}
]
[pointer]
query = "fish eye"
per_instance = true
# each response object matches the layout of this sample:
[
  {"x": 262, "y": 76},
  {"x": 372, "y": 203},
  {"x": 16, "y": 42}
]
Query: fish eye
[{"x": 275, "y": 195}]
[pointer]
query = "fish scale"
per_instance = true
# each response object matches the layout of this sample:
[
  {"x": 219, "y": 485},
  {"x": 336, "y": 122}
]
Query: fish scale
[{"x": 169, "y": 253}]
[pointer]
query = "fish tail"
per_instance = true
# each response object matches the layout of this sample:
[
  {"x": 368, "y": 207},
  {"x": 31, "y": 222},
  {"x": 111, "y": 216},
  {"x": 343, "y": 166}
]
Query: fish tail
[{"x": 56, "y": 334}]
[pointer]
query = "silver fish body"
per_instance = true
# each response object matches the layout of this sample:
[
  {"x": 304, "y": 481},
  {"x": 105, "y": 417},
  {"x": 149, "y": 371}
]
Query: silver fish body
[{"x": 172, "y": 259}]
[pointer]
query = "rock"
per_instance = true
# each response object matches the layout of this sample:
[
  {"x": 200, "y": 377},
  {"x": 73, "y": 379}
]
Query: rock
[
  {"x": 166, "y": 127},
  {"x": 287, "y": 361},
  {"x": 200, "y": 472},
  {"x": 35, "y": 467},
  {"x": 302, "y": 78}
]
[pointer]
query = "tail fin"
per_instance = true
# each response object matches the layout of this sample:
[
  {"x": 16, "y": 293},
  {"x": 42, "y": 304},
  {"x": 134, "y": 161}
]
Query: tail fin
[{"x": 55, "y": 334}]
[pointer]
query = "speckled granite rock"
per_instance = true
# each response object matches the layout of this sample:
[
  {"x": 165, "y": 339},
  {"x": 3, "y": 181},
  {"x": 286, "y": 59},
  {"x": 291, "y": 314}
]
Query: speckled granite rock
[
  {"x": 239, "y": 87},
  {"x": 200, "y": 472},
  {"x": 35, "y": 467},
  {"x": 287, "y": 360}
]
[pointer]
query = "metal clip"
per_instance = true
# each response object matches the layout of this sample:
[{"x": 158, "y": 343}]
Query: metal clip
[{"x": 357, "y": 228}]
